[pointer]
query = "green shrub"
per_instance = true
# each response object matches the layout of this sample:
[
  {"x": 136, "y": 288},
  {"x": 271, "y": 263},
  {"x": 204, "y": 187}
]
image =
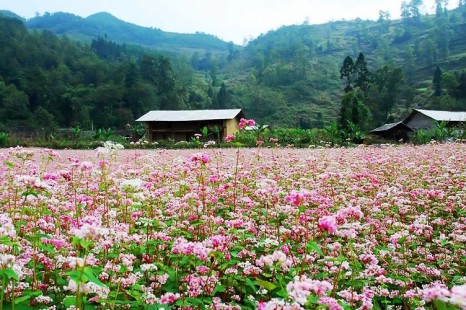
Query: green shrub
[{"x": 4, "y": 139}]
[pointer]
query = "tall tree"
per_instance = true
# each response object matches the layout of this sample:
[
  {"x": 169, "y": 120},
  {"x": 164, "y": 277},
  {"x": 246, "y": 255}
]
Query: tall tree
[
  {"x": 362, "y": 79},
  {"x": 347, "y": 73},
  {"x": 222, "y": 97},
  {"x": 437, "y": 82}
]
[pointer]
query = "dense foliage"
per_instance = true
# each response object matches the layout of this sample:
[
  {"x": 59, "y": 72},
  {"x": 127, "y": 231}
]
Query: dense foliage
[
  {"x": 48, "y": 82},
  {"x": 302, "y": 76}
]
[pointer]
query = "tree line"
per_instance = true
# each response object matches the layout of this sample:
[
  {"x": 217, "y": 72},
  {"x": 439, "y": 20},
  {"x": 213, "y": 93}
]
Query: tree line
[
  {"x": 49, "y": 82},
  {"x": 358, "y": 74}
]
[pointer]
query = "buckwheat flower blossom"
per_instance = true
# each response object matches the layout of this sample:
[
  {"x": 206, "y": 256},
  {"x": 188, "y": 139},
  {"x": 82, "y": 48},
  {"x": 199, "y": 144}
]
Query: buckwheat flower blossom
[
  {"x": 296, "y": 198},
  {"x": 209, "y": 143},
  {"x": 149, "y": 298},
  {"x": 246, "y": 122},
  {"x": 169, "y": 298},
  {"x": 182, "y": 246},
  {"x": 148, "y": 267},
  {"x": 86, "y": 166},
  {"x": 7, "y": 229},
  {"x": 229, "y": 138},
  {"x": 88, "y": 288},
  {"x": 89, "y": 231},
  {"x": 278, "y": 304},
  {"x": 7, "y": 261},
  {"x": 458, "y": 296},
  {"x": 330, "y": 302},
  {"x": 131, "y": 184},
  {"x": 328, "y": 223},
  {"x": 162, "y": 278},
  {"x": 277, "y": 257},
  {"x": 41, "y": 299},
  {"x": 302, "y": 287},
  {"x": 200, "y": 158}
]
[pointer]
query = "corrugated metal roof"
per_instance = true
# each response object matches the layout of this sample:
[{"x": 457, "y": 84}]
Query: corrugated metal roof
[
  {"x": 390, "y": 126},
  {"x": 188, "y": 115},
  {"x": 444, "y": 115}
]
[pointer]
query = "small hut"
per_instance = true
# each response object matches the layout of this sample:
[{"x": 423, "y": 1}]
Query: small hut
[
  {"x": 392, "y": 131},
  {"x": 184, "y": 124}
]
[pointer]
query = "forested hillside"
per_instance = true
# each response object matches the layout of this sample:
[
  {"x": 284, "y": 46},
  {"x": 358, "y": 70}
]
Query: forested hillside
[
  {"x": 49, "y": 81},
  {"x": 298, "y": 70},
  {"x": 358, "y": 73}
]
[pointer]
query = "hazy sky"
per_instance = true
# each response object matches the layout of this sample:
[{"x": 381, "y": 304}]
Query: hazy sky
[{"x": 230, "y": 20}]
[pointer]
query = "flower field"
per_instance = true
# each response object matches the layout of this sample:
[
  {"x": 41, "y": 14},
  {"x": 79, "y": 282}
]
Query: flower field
[{"x": 356, "y": 228}]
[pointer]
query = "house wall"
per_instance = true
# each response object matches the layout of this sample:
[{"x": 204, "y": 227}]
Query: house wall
[
  {"x": 230, "y": 127},
  {"x": 184, "y": 131},
  {"x": 420, "y": 121}
]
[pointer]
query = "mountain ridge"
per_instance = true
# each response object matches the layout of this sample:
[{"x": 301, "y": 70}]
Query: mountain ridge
[{"x": 120, "y": 31}]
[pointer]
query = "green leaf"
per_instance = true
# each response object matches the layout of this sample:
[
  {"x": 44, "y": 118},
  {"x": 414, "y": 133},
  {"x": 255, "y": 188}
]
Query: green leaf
[
  {"x": 158, "y": 307},
  {"x": 74, "y": 275},
  {"x": 195, "y": 302},
  {"x": 9, "y": 164},
  {"x": 26, "y": 296},
  {"x": 251, "y": 284},
  {"x": 22, "y": 298},
  {"x": 218, "y": 288},
  {"x": 440, "y": 305},
  {"x": 312, "y": 245},
  {"x": 312, "y": 299},
  {"x": 10, "y": 273},
  {"x": 282, "y": 293},
  {"x": 269, "y": 286},
  {"x": 69, "y": 301},
  {"x": 91, "y": 277},
  {"x": 47, "y": 248},
  {"x": 402, "y": 240},
  {"x": 86, "y": 244}
]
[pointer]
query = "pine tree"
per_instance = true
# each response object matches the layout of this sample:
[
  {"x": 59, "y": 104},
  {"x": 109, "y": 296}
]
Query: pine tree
[{"x": 437, "y": 82}]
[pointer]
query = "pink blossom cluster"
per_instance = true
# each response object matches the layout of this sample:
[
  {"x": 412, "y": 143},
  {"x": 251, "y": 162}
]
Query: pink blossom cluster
[
  {"x": 243, "y": 123},
  {"x": 302, "y": 287}
]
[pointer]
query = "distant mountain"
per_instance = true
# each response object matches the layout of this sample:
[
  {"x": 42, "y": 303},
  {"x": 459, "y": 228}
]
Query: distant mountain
[
  {"x": 291, "y": 76},
  {"x": 106, "y": 25},
  {"x": 6, "y": 13}
]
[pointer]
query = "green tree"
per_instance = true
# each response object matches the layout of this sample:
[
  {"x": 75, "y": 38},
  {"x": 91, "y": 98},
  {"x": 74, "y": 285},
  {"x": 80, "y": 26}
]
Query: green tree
[
  {"x": 347, "y": 73},
  {"x": 13, "y": 106},
  {"x": 362, "y": 74},
  {"x": 437, "y": 82},
  {"x": 385, "y": 92},
  {"x": 223, "y": 97}
]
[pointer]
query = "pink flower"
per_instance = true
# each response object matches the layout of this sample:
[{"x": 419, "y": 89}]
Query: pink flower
[
  {"x": 458, "y": 296},
  {"x": 328, "y": 223},
  {"x": 200, "y": 157},
  {"x": 246, "y": 122},
  {"x": 330, "y": 302},
  {"x": 229, "y": 138},
  {"x": 302, "y": 287}
]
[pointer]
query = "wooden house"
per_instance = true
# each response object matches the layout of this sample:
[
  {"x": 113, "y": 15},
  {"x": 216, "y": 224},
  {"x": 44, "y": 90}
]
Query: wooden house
[
  {"x": 425, "y": 119},
  {"x": 183, "y": 125},
  {"x": 420, "y": 119}
]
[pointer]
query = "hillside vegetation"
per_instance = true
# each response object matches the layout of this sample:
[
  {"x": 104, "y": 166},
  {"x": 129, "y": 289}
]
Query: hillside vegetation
[{"x": 97, "y": 72}]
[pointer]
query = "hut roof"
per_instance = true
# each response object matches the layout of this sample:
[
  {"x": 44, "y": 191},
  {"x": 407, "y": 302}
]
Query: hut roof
[
  {"x": 387, "y": 127},
  {"x": 439, "y": 116},
  {"x": 189, "y": 115}
]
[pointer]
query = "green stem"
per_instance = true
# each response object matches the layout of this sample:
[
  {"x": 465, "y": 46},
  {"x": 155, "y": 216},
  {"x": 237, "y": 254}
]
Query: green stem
[
  {"x": 2, "y": 291},
  {"x": 79, "y": 295},
  {"x": 116, "y": 296}
]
